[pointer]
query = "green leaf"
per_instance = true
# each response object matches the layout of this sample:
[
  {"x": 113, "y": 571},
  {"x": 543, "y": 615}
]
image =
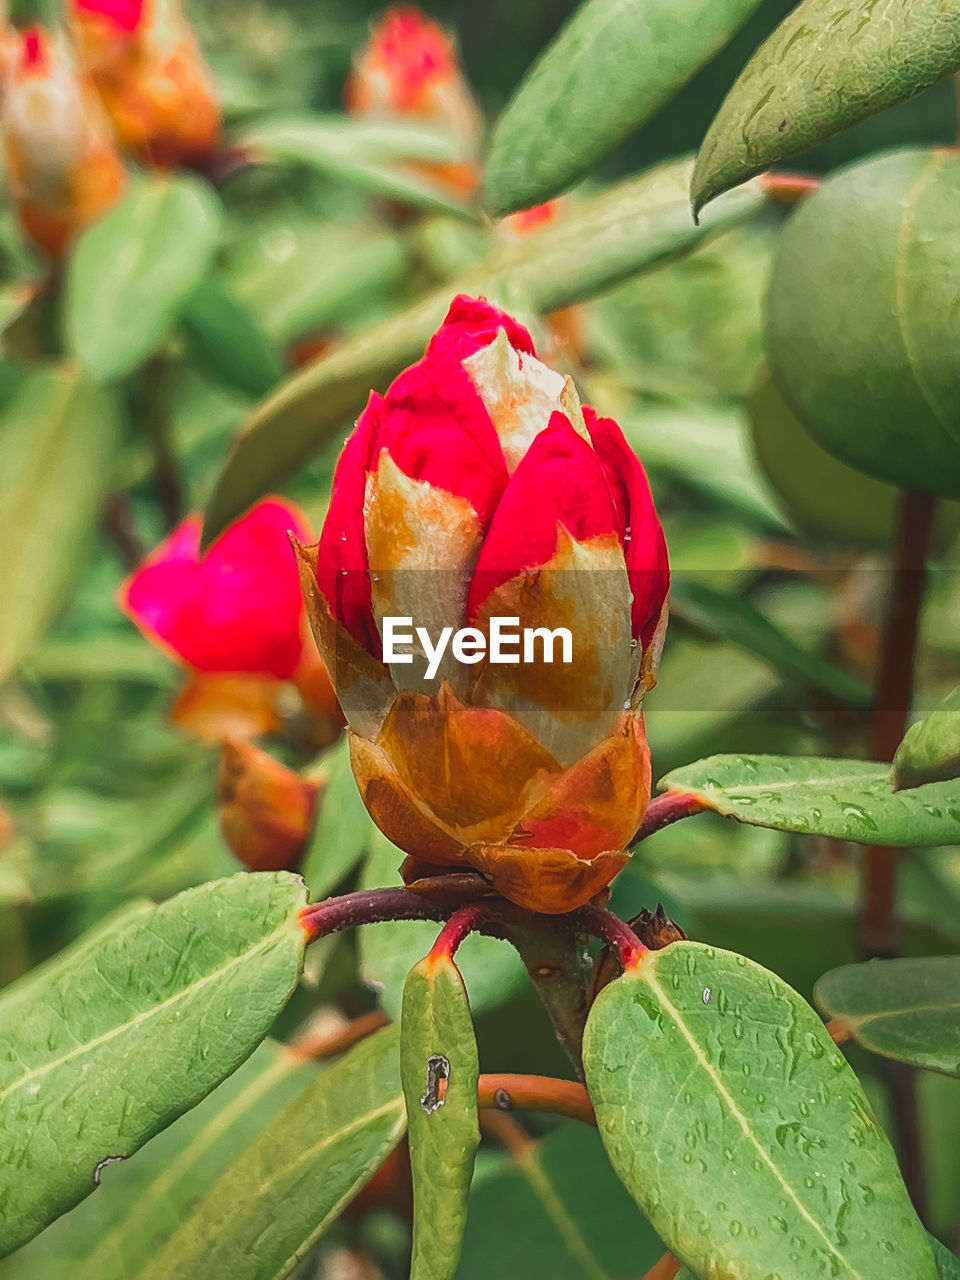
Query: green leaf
[
  {"x": 701, "y": 447},
  {"x": 636, "y": 226},
  {"x": 298, "y": 279},
  {"x": 344, "y": 830},
  {"x": 143, "y": 1200},
  {"x": 133, "y": 271},
  {"x": 227, "y": 340},
  {"x": 132, "y": 1032},
  {"x": 862, "y": 325},
  {"x": 908, "y": 1009},
  {"x": 828, "y": 65},
  {"x": 263, "y": 1215},
  {"x": 824, "y": 497},
  {"x": 492, "y": 969},
  {"x": 369, "y": 154},
  {"x": 948, "y": 1264},
  {"x": 739, "y": 1128},
  {"x": 557, "y": 1212},
  {"x": 930, "y": 752},
  {"x": 438, "y": 1050},
  {"x": 612, "y": 67},
  {"x": 736, "y": 619},
  {"x": 58, "y": 442},
  {"x": 845, "y": 799}
]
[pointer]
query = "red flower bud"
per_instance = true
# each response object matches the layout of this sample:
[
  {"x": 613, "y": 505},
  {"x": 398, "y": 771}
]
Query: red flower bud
[
  {"x": 478, "y": 489},
  {"x": 409, "y": 69},
  {"x": 63, "y": 164},
  {"x": 267, "y": 811},
  {"x": 143, "y": 58}
]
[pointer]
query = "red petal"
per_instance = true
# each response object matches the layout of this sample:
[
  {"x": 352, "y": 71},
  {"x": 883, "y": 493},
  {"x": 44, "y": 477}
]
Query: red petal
[
  {"x": 123, "y": 14},
  {"x": 559, "y": 481},
  {"x": 436, "y": 428},
  {"x": 343, "y": 569},
  {"x": 414, "y": 52},
  {"x": 473, "y": 323},
  {"x": 34, "y": 51},
  {"x": 239, "y": 608},
  {"x": 641, "y": 534}
]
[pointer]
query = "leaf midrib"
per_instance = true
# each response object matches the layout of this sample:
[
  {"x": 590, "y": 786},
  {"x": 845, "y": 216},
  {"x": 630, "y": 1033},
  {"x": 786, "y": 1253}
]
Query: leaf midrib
[
  {"x": 555, "y": 1209},
  {"x": 860, "y": 1020},
  {"x": 184, "y": 994},
  {"x": 187, "y": 1159},
  {"x": 649, "y": 976}
]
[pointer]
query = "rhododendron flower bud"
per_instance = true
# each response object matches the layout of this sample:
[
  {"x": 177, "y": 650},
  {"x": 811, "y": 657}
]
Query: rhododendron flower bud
[
  {"x": 64, "y": 168},
  {"x": 409, "y": 70},
  {"x": 478, "y": 489},
  {"x": 234, "y": 617},
  {"x": 267, "y": 812},
  {"x": 144, "y": 59}
]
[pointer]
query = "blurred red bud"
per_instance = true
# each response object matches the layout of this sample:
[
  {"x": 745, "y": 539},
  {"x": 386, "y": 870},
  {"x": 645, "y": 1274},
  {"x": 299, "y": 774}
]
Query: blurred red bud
[
  {"x": 144, "y": 59},
  {"x": 63, "y": 165},
  {"x": 409, "y": 70},
  {"x": 267, "y": 812}
]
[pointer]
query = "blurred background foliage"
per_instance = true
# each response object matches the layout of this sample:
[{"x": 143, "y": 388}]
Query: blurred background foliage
[{"x": 110, "y": 802}]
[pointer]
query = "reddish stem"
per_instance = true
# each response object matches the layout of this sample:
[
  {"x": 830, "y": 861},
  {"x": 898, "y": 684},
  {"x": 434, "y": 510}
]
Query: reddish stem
[
  {"x": 879, "y": 924},
  {"x": 788, "y": 188},
  {"x": 879, "y": 929},
  {"x": 461, "y": 923},
  {"x": 612, "y": 930},
  {"x": 664, "y": 810},
  {"x": 536, "y": 1093},
  {"x": 318, "y": 1046},
  {"x": 370, "y": 906},
  {"x": 666, "y": 1269}
]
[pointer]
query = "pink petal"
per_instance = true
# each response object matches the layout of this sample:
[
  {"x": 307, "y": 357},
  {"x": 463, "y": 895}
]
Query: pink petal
[
  {"x": 473, "y": 323},
  {"x": 236, "y": 609},
  {"x": 559, "y": 481},
  {"x": 436, "y": 429},
  {"x": 641, "y": 533},
  {"x": 343, "y": 569},
  {"x": 123, "y": 14}
]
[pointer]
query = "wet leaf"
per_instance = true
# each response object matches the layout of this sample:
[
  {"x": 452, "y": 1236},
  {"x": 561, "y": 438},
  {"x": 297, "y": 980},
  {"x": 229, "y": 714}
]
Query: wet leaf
[
  {"x": 612, "y": 67},
  {"x": 737, "y": 620},
  {"x": 846, "y": 799},
  {"x": 58, "y": 441},
  {"x": 828, "y": 65},
  {"x": 930, "y": 752},
  {"x": 440, "y": 1070},
  {"x": 131, "y": 274},
  {"x": 142, "y": 1201},
  {"x": 702, "y": 1065},
  {"x": 633, "y": 227},
  {"x": 132, "y": 1029},
  {"x": 862, "y": 324},
  {"x": 908, "y": 1009},
  {"x": 259, "y": 1220}
]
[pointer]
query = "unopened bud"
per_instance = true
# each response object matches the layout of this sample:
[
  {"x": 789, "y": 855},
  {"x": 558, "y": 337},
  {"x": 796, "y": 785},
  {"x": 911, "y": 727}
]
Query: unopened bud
[{"x": 267, "y": 811}]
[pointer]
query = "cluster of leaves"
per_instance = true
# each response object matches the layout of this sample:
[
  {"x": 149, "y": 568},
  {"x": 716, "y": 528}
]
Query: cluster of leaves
[{"x": 157, "y": 373}]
